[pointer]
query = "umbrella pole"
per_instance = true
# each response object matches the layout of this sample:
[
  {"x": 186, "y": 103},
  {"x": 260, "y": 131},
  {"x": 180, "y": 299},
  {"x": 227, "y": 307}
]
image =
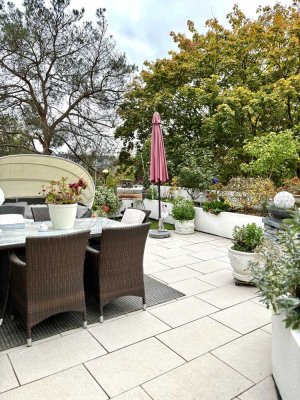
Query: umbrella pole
[{"x": 159, "y": 209}]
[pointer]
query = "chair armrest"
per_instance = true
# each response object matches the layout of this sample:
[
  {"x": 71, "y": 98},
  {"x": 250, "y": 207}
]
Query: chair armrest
[
  {"x": 92, "y": 251},
  {"x": 15, "y": 261}
]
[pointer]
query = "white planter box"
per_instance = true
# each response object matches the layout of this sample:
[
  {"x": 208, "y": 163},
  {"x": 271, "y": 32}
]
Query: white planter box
[
  {"x": 286, "y": 359},
  {"x": 152, "y": 205},
  {"x": 224, "y": 223}
]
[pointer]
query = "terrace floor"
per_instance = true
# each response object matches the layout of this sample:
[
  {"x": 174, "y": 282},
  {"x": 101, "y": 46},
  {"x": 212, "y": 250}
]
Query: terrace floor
[{"x": 213, "y": 344}]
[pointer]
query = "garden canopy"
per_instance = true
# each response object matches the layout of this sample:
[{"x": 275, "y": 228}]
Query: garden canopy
[{"x": 22, "y": 176}]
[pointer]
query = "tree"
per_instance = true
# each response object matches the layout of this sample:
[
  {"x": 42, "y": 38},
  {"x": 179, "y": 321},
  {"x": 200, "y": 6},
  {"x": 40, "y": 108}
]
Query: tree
[
  {"x": 61, "y": 79},
  {"x": 221, "y": 89},
  {"x": 273, "y": 155}
]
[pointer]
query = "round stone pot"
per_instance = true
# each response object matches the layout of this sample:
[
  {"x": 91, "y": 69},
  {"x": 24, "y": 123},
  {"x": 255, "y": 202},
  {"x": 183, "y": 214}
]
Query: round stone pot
[
  {"x": 240, "y": 262},
  {"x": 62, "y": 215},
  {"x": 185, "y": 227}
]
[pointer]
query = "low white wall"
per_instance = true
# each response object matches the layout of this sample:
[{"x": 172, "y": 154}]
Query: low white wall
[
  {"x": 224, "y": 223},
  {"x": 220, "y": 225}
]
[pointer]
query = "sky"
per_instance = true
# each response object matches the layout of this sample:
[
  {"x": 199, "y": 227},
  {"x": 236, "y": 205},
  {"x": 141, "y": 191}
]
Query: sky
[{"x": 141, "y": 28}]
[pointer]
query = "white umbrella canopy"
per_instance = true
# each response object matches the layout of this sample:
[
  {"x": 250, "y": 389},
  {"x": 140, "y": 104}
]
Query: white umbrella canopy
[{"x": 23, "y": 175}]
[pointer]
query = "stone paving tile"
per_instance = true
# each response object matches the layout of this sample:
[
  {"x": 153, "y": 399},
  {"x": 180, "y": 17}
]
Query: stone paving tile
[
  {"x": 150, "y": 257},
  {"x": 205, "y": 378},
  {"x": 197, "y": 338},
  {"x": 267, "y": 328},
  {"x": 168, "y": 253},
  {"x": 209, "y": 254},
  {"x": 225, "y": 259},
  {"x": 176, "y": 243},
  {"x": 180, "y": 261},
  {"x": 191, "y": 286},
  {"x": 250, "y": 355},
  {"x": 134, "y": 394},
  {"x": 54, "y": 356},
  {"x": 198, "y": 247},
  {"x": 209, "y": 266},
  {"x": 125, "y": 331},
  {"x": 219, "y": 278},
  {"x": 8, "y": 378},
  {"x": 124, "y": 369},
  {"x": 176, "y": 274},
  {"x": 154, "y": 266},
  {"x": 182, "y": 311},
  {"x": 199, "y": 237},
  {"x": 73, "y": 384},
  {"x": 244, "y": 317},
  {"x": 264, "y": 390},
  {"x": 227, "y": 296}
]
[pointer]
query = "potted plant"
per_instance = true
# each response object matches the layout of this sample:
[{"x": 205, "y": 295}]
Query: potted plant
[
  {"x": 105, "y": 202},
  {"x": 245, "y": 241},
  {"x": 279, "y": 286},
  {"x": 62, "y": 198},
  {"x": 183, "y": 213}
]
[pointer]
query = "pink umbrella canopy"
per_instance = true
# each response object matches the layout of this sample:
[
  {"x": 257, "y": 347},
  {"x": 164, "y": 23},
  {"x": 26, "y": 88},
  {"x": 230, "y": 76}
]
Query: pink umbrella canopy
[{"x": 158, "y": 164}]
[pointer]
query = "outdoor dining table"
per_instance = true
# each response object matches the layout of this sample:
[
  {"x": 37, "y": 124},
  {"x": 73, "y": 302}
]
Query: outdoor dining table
[{"x": 12, "y": 239}]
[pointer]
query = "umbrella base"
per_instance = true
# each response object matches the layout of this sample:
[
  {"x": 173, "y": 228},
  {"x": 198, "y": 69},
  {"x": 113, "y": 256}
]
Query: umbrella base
[{"x": 159, "y": 233}]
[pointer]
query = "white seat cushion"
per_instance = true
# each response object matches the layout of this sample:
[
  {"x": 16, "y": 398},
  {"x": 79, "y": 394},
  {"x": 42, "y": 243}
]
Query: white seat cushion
[
  {"x": 7, "y": 219},
  {"x": 132, "y": 216}
]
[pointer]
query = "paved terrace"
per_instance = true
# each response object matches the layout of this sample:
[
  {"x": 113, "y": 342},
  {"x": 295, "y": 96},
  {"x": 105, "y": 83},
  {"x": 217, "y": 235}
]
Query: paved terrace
[{"x": 213, "y": 344}]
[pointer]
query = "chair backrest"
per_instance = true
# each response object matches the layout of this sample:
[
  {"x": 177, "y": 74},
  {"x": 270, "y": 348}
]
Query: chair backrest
[
  {"x": 121, "y": 256},
  {"x": 134, "y": 216},
  {"x": 12, "y": 210},
  {"x": 40, "y": 213},
  {"x": 54, "y": 265}
]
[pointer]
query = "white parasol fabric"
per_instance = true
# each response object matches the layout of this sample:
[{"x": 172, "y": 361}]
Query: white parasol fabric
[{"x": 23, "y": 175}]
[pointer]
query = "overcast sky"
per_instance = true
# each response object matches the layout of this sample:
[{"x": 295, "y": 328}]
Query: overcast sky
[{"x": 141, "y": 28}]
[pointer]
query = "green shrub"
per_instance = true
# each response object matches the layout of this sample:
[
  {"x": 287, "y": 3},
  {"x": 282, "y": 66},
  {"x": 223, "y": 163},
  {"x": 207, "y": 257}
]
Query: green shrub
[
  {"x": 247, "y": 238},
  {"x": 279, "y": 280},
  {"x": 215, "y": 206},
  {"x": 183, "y": 209}
]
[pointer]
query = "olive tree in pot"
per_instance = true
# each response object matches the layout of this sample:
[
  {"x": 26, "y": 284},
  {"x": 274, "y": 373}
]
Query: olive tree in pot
[
  {"x": 279, "y": 285},
  {"x": 246, "y": 240},
  {"x": 183, "y": 213}
]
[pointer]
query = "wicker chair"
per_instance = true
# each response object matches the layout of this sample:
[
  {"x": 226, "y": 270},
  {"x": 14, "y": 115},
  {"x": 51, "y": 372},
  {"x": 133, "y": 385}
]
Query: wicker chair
[
  {"x": 12, "y": 210},
  {"x": 40, "y": 213},
  {"x": 51, "y": 280},
  {"x": 135, "y": 217},
  {"x": 117, "y": 270}
]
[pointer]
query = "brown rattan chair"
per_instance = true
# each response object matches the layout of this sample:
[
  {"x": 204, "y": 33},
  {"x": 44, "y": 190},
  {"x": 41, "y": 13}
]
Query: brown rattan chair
[
  {"x": 117, "y": 270},
  {"x": 51, "y": 280},
  {"x": 40, "y": 213},
  {"x": 12, "y": 210}
]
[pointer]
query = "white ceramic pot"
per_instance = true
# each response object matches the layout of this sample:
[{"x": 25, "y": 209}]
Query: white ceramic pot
[
  {"x": 286, "y": 358},
  {"x": 185, "y": 227},
  {"x": 240, "y": 262},
  {"x": 62, "y": 215}
]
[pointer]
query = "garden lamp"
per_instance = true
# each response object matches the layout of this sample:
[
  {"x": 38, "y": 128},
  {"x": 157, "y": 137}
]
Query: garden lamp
[{"x": 105, "y": 174}]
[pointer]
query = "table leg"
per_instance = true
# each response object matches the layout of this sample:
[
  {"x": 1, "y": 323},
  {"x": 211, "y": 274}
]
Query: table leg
[{"x": 4, "y": 282}]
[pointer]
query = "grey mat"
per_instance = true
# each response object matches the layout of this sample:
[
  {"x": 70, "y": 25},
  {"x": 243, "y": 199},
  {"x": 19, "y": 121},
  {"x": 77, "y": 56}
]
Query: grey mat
[{"x": 12, "y": 333}]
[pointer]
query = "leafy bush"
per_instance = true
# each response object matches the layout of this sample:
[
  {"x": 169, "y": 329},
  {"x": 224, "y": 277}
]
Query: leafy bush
[
  {"x": 196, "y": 176},
  {"x": 247, "y": 238},
  {"x": 152, "y": 193},
  {"x": 279, "y": 280},
  {"x": 215, "y": 206},
  {"x": 247, "y": 193},
  {"x": 274, "y": 155},
  {"x": 183, "y": 209},
  {"x": 291, "y": 185},
  {"x": 105, "y": 202}
]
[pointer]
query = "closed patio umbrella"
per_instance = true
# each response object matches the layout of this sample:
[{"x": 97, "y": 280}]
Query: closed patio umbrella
[{"x": 158, "y": 163}]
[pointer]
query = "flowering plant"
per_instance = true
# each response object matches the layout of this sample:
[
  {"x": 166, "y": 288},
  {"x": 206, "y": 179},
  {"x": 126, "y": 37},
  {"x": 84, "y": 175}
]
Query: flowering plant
[
  {"x": 105, "y": 201},
  {"x": 291, "y": 185},
  {"x": 62, "y": 192}
]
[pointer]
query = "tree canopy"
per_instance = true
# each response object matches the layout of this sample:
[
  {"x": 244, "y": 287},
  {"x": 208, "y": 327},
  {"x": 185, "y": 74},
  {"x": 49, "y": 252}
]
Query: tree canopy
[
  {"x": 61, "y": 80},
  {"x": 220, "y": 89}
]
